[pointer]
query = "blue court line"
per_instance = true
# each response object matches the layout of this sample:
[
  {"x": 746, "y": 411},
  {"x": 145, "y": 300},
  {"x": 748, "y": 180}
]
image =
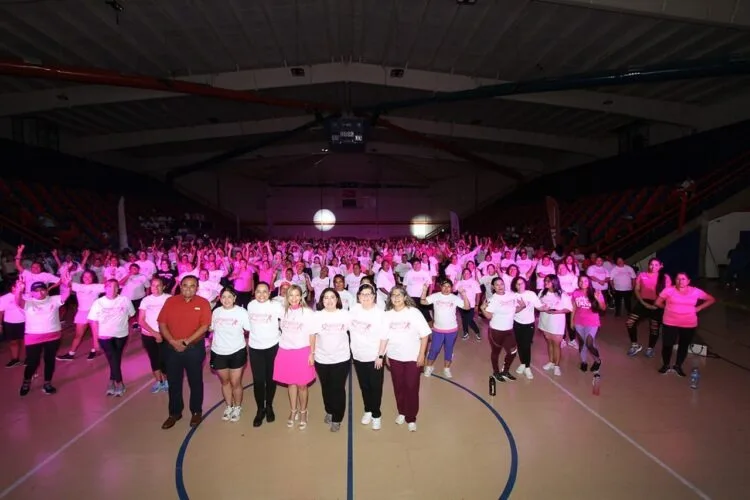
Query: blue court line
[
  {"x": 350, "y": 444},
  {"x": 179, "y": 481},
  {"x": 513, "y": 473}
]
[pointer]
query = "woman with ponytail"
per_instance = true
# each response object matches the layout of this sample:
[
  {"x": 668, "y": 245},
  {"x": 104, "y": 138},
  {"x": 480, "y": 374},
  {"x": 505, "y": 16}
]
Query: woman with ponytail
[{"x": 648, "y": 286}]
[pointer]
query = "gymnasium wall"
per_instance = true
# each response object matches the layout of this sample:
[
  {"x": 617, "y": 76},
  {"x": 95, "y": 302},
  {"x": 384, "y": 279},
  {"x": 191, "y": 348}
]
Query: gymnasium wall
[
  {"x": 371, "y": 196},
  {"x": 723, "y": 235}
]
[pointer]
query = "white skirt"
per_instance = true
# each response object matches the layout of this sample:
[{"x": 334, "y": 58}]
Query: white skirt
[{"x": 81, "y": 318}]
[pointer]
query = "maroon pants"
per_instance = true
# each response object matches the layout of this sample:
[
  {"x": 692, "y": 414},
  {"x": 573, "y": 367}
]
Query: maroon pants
[
  {"x": 405, "y": 376},
  {"x": 499, "y": 340}
]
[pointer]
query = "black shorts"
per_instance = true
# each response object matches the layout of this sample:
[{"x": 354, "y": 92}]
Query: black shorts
[
  {"x": 13, "y": 331},
  {"x": 229, "y": 361}
]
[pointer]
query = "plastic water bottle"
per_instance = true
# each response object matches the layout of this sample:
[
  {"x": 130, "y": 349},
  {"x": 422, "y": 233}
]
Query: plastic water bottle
[
  {"x": 596, "y": 384},
  {"x": 493, "y": 386},
  {"x": 695, "y": 378}
]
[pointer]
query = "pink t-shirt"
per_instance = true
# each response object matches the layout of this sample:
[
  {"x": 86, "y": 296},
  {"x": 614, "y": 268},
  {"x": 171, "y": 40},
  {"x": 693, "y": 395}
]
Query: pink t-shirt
[
  {"x": 648, "y": 284},
  {"x": 679, "y": 308},
  {"x": 584, "y": 314}
]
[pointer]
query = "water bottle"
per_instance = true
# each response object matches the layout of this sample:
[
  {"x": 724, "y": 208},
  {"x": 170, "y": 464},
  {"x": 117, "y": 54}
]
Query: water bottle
[
  {"x": 596, "y": 384},
  {"x": 493, "y": 386},
  {"x": 695, "y": 378}
]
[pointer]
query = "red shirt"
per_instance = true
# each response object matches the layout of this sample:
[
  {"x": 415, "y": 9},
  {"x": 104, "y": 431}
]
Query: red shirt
[{"x": 183, "y": 317}]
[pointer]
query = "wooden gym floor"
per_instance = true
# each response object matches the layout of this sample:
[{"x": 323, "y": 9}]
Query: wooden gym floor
[{"x": 646, "y": 436}]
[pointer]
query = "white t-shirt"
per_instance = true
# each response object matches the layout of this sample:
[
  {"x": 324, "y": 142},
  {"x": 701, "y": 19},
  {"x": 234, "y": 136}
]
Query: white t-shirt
[
  {"x": 545, "y": 270},
  {"x": 112, "y": 316},
  {"x": 405, "y": 329},
  {"x": 264, "y": 323},
  {"x": 87, "y": 294},
  {"x": 319, "y": 284},
  {"x": 209, "y": 290},
  {"x": 352, "y": 282},
  {"x": 152, "y": 304},
  {"x": 386, "y": 281},
  {"x": 414, "y": 281},
  {"x": 135, "y": 287},
  {"x": 554, "y": 323},
  {"x": 30, "y": 278},
  {"x": 229, "y": 327},
  {"x": 471, "y": 287},
  {"x": 332, "y": 342},
  {"x": 568, "y": 283},
  {"x": 43, "y": 316},
  {"x": 503, "y": 309},
  {"x": 11, "y": 312},
  {"x": 296, "y": 327},
  {"x": 622, "y": 278},
  {"x": 598, "y": 272},
  {"x": 445, "y": 311},
  {"x": 366, "y": 330},
  {"x": 347, "y": 299},
  {"x": 526, "y": 315}
]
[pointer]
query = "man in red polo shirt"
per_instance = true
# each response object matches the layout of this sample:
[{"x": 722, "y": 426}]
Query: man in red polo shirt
[{"x": 183, "y": 321}]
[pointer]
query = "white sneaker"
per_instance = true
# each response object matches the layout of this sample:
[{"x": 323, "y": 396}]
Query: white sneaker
[
  {"x": 412, "y": 427},
  {"x": 366, "y": 418},
  {"x": 548, "y": 366},
  {"x": 563, "y": 344},
  {"x": 528, "y": 373},
  {"x": 376, "y": 423},
  {"x": 520, "y": 369},
  {"x": 236, "y": 412},
  {"x": 400, "y": 420},
  {"x": 428, "y": 371},
  {"x": 557, "y": 371},
  {"x": 227, "y": 413},
  {"x": 573, "y": 344},
  {"x": 447, "y": 373}
]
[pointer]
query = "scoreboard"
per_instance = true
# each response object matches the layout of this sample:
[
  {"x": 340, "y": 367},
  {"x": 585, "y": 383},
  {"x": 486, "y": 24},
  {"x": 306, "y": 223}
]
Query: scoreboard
[{"x": 347, "y": 135}]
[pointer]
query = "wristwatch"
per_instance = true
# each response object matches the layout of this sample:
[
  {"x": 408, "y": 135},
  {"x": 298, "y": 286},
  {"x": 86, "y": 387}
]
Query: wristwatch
[{"x": 381, "y": 356}]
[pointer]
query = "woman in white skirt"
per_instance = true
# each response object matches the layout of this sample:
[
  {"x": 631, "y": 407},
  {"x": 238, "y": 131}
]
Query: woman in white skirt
[
  {"x": 87, "y": 291},
  {"x": 556, "y": 304},
  {"x": 229, "y": 351},
  {"x": 294, "y": 364}
]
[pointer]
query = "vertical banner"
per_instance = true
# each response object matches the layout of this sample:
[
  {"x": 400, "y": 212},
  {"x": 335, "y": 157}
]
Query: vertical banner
[
  {"x": 122, "y": 224},
  {"x": 455, "y": 227},
  {"x": 553, "y": 212}
]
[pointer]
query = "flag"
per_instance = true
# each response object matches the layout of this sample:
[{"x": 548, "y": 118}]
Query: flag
[{"x": 553, "y": 212}]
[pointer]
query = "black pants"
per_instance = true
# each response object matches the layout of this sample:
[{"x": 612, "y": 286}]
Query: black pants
[
  {"x": 261, "y": 365},
  {"x": 623, "y": 297},
  {"x": 425, "y": 310},
  {"x": 113, "y": 348},
  {"x": 502, "y": 340},
  {"x": 333, "y": 385},
  {"x": 524, "y": 336},
  {"x": 188, "y": 362},
  {"x": 672, "y": 335},
  {"x": 467, "y": 320},
  {"x": 371, "y": 384},
  {"x": 34, "y": 357},
  {"x": 153, "y": 350}
]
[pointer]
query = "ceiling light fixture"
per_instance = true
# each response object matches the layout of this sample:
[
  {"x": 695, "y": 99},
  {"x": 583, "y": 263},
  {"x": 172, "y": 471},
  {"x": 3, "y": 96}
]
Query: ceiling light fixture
[{"x": 117, "y": 7}]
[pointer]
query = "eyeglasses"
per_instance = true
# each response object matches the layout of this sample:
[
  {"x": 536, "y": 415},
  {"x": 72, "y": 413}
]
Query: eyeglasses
[{"x": 366, "y": 294}]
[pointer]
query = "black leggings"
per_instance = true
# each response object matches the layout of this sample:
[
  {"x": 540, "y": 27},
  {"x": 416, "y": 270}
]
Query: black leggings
[
  {"x": 683, "y": 337},
  {"x": 261, "y": 365},
  {"x": 153, "y": 350},
  {"x": 34, "y": 357},
  {"x": 371, "y": 384},
  {"x": 467, "y": 320},
  {"x": 524, "y": 337},
  {"x": 333, "y": 386},
  {"x": 113, "y": 348},
  {"x": 654, "y": 325}
]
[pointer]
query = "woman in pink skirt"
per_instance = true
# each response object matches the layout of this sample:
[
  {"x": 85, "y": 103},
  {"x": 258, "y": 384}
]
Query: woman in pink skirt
[{"x": 294, "y": 363}]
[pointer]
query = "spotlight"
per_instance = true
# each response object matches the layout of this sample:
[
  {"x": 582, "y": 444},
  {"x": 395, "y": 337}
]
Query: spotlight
[{"x": 116, "y": 6}]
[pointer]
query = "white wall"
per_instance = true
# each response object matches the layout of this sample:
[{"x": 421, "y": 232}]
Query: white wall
[{"x": 723, "y": 235}]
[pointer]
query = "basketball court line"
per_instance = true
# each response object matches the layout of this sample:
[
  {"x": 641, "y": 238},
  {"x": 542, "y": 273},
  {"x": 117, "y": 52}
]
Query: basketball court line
[
  {"x": 7, "y": 491},
  {"x": 623, "y": 435}
]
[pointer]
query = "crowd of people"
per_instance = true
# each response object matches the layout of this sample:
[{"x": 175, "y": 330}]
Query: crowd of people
[{"x": 305, "y": 310}]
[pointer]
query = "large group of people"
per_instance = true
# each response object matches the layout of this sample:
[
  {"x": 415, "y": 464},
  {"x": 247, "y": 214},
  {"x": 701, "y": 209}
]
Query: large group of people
[{"x": 305, "y": 310}]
